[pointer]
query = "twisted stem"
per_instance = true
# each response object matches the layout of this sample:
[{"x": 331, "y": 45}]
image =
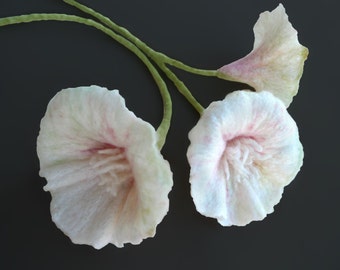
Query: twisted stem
[{"x": 159, "y": 58}]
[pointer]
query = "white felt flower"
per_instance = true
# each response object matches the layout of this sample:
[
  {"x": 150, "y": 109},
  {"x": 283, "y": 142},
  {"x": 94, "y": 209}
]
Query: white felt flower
[
  {"x": 243, "y": 151},
  {"x": 276, "y": 62},
  {"x": 108, "y": 180}
]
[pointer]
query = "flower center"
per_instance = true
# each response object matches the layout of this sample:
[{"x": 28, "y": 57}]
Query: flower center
[
  {"x": 112, "y": 168},
  {"x": 242, "y": 158}
]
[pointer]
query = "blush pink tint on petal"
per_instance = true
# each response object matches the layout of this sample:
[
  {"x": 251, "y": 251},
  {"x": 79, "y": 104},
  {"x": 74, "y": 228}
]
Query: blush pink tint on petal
[
  {"x": 108, "y": 181},
  {"x": 243, "y": 151},
  {"x": 276, "y": 62}
]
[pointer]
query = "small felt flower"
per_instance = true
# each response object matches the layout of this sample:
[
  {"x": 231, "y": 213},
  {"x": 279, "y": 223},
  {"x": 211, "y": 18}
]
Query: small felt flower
[
  {"x": 276, "y": 62},
  {"x": 108, "y": 180},
  {"x": 244, "y": 150}
]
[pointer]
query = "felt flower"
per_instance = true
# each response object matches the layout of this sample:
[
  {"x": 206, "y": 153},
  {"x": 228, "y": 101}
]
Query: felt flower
[
  {"x": 276, "y": 62},
  {"x": 244, "y": 150},
  {"x": 108, "y": 180}
]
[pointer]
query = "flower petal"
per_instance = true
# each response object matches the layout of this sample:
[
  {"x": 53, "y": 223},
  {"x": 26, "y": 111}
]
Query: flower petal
[
  {"x": 108, "y": 180},
  {"x": 243, "y": 151},
  {"x": 276, "y": 62}
]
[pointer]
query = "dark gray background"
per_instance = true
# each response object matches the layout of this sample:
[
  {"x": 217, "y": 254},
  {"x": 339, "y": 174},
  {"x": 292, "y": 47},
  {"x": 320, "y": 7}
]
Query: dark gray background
[{"x": 39, "y": 59}]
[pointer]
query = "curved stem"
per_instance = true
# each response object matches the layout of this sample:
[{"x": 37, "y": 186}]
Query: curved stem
[
  {"x": 160, "y": 58},
  {"x": 180, "y": 65},
  {"x": 156, "y": 56},
  {"x": 165, "y": 124},
  {"x": 182, "y": 88}
]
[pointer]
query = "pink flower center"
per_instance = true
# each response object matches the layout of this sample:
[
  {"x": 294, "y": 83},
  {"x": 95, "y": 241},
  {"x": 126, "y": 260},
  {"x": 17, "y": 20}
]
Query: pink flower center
[
  {"x": 242, "y": 158},
  {"x": 112, "y": 168}
]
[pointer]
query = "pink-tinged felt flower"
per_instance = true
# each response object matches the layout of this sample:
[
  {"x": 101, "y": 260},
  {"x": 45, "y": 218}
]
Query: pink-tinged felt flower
[
  {"x": 108, "y": 180},
  {"x": 244, "y": 150},
  {"x": 276, "y": 62}
]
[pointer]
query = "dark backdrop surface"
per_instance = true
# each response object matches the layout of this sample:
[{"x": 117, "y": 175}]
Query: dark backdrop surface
[{"x": 39, "y": 59}]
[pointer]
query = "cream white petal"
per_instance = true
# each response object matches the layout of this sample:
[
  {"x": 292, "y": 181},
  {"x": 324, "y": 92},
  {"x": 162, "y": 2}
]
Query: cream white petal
[
  {"x": 244, "y": 150},
  {"x": 276, "y": 62},
  {"x": 108, "y": 180}
]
